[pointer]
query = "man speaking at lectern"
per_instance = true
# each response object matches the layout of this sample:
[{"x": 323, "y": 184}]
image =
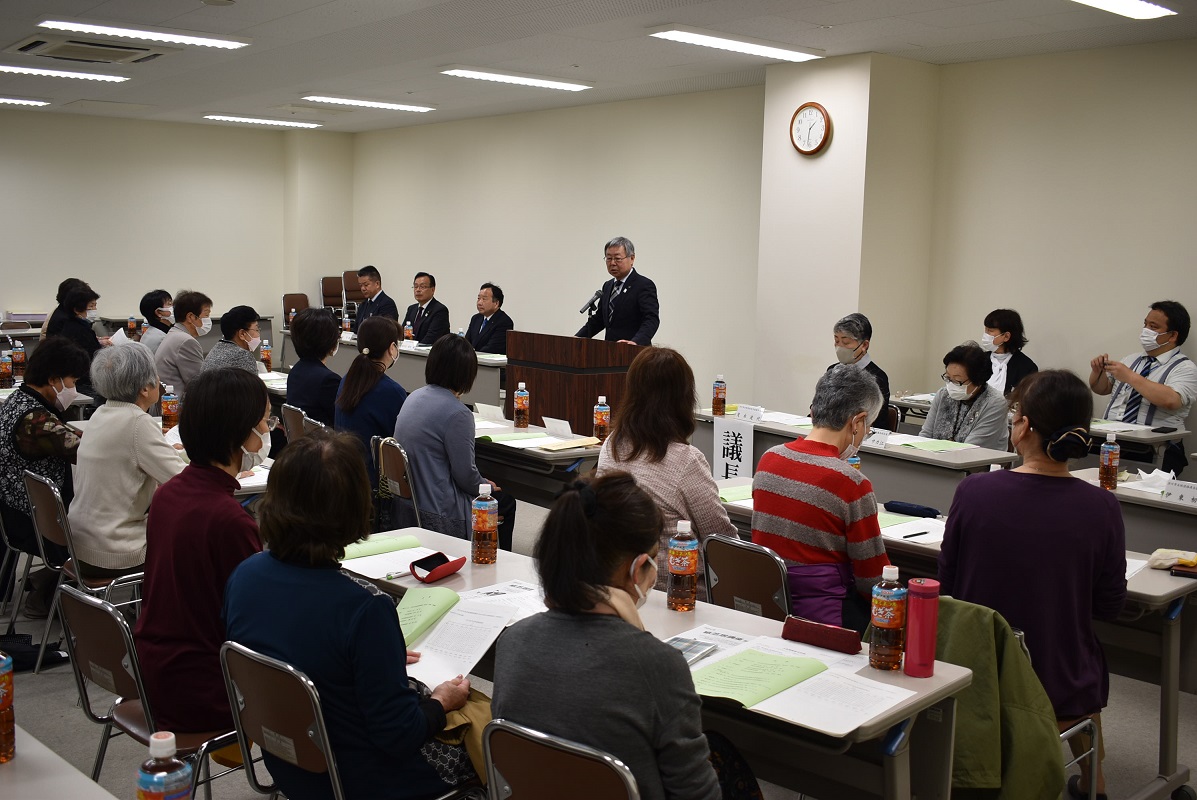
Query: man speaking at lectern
[{"x": 627, "y": 304}]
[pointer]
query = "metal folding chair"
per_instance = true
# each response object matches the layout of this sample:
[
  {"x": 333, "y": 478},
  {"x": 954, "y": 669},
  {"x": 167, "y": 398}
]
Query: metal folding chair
[
  {"x": 747, "y": 577},
  {"x": 525, "y": 764},
  {"x": 395, "y": 469}
]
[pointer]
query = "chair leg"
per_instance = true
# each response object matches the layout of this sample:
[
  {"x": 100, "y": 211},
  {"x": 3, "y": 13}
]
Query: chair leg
[
  {"x": 46, "y": 633},
  {"x": 4, "y": 571},
  {"x": 19, "y": 594},
  {"x": 95, "y": 770}
]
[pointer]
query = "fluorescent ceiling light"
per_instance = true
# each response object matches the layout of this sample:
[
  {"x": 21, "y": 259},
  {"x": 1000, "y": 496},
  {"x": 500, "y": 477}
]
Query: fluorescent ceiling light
[
  {"x": 141, "y": 33},
  {"x": 61, "y": 73},
  {"x": 521, "y": 80},
  {"x": 345, "y": 101},
  {"x": 20, "y": 101},
  {"x": 1135, "y": 9},
  {"x": 285, "y": 123},
  {"x": 736, "y": 44}
]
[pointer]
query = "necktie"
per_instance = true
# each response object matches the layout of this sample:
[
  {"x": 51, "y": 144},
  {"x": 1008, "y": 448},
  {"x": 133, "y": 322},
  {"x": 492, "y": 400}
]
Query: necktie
[
  {"x": 1135, "y": 400},
  {"x": 419, "y": 318},
  {"x": 482, "y": 327},
  {"x": 611, "y": 303}
]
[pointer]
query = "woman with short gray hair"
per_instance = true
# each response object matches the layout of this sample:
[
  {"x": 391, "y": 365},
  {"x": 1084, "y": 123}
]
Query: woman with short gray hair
[
  {"x": 123, "y": 458},
  {"x": 819, "y": 513}
]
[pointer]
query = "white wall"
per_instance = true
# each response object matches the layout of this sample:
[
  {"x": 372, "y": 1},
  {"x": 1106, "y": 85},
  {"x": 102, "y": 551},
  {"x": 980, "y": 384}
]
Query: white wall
[
  {"x": 528, "y": 200},
  {"x": 1067, "y": 189},
  {"x": 132, "y": 206},
  {"x": 318, "y": 222}
]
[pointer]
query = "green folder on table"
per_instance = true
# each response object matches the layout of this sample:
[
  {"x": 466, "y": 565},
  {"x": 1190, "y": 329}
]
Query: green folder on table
[
  {"x": 512, "y": 437},
  {"x": 375, "y": 545},
  {"x": 751, "y": 676},
  {"x": 420, "y": 609},
  {"x": 886, "y": 519},
  {"x": 730, "y": 494},
  {"x": 939, "y": 445}
]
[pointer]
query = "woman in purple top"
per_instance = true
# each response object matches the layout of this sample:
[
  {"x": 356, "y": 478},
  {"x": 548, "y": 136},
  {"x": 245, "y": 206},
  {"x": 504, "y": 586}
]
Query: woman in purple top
[{"x": 1044, "y": 549}]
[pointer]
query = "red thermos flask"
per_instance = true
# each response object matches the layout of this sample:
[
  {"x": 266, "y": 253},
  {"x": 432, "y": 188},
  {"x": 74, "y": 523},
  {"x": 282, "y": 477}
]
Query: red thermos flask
[{"x": 922, "y": 624}]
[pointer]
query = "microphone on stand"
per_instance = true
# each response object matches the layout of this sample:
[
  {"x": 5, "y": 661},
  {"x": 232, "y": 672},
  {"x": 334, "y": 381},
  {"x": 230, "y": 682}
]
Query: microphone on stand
[{"x": 591, "y": 304}]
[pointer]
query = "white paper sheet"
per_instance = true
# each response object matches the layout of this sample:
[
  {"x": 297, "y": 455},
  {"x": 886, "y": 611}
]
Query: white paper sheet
[
  {"x": 256, "y": 481},
  {"x": 834, "y": 702},
  {"x": 918, "y": 531},
  {"x": 742, "y": 503},
  {"x": 1133, "y": 566},
  {"x": 173, "y": 436},
  {"x": 394, "y": 564},
  {"x": 901, "y": 438},
  {"x": 491, "y": 412},
  {"x": 782, "y": 418},
  {"x": 481, "y": 424},
  {"x": 119, "y": 337},
  {"x": 457, "y": 643},
  {"x": 1115, "y": 426},
  {"x": 558, "y": 427},
  {"x": 723, "y": 638},
  {"x": 527, "y": 598},
  {"x": 920, "y": 398},
  {"x": 272, "y": 377},
  {"x": 524, "y": 444}
]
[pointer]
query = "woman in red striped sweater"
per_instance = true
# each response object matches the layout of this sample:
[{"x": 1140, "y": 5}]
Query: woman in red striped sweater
[{"x": 817, "y": 512}]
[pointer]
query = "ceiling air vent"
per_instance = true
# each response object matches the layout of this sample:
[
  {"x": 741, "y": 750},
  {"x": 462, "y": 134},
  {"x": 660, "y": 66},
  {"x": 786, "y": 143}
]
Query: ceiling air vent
[{"x": 88, "y": 51}]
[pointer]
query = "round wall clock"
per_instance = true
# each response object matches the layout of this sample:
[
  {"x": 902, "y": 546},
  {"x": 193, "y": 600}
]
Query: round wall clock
[{"x": 810, "y": 129}]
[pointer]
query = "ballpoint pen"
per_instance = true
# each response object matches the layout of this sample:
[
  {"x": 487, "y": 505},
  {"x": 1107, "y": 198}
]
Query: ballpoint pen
[{"x": 916, "y": 533}]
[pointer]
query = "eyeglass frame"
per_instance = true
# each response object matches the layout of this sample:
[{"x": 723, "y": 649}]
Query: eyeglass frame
[{"x": 944, "y": 377}]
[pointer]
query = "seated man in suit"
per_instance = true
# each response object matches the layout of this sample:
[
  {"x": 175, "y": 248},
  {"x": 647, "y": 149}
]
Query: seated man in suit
[
  {"x": 853, "y": 334},
  {"x": 428, "y": 316},
  {"x": 377, "y": 302},
  {"x": 488, "y": 328},
  {"x": 628, "y": 308}
]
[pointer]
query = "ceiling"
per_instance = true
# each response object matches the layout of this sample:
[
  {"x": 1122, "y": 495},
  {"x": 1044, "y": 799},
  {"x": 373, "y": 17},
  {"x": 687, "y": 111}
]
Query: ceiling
[{"x": 393, "y": 50}]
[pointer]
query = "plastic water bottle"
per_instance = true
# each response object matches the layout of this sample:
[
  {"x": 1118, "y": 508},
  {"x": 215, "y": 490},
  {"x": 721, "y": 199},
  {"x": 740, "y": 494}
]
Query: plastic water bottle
[
  {"x": 132, "y": 330},
  {"x": 8, "y": 723},
  {"x": 170, "y": 409},
  {"x": 854, "y": 462},
  {"x": 461, "y": 332},
  {"x": 291, "y": 318},
  {"x": 683, "y": 568},
  {"x": 267, "y": 355},
  {"x": 523, "y": 404},
  {"x": 5, "y": 370},
  {"x": 484, "y": 548},
  {"x": 889, "y": 621},
  {"x": 163, "y": 777},
  {"x": 602, "y": 419},
  {"x": 18, "y": 359},
  {"x": 347, "y": 323},
  {"x": 719, "y": 397},
  {"x": 1111, "y": 455},
  {"x": 922, "y": 627},
  {"x": 407, "y": 331}
]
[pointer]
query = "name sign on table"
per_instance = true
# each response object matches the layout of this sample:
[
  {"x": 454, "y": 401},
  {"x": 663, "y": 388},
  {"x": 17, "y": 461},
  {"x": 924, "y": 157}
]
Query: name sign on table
[
  {"x": 1182, "y": 492},
  {"x": 877, "y": 438},
  {"x": 732, "y": 447}
]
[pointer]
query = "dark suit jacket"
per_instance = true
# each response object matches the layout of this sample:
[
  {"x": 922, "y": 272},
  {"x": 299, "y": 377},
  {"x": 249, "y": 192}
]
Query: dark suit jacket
[
  {"x": 636, "y": 314},
  {"x": 381, "y": 306},
  {"x": 433, "y": 326},
  {"x": 313, "y": 387},
  {"x": 492, "y": 338},
  {"x": 882, "y": 421},
  {"x": 1019, "y": 367}
]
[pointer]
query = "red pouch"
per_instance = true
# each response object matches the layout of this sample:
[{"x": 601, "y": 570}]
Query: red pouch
[
  {"x": 431, "y": 569},
  {"x": 830, "y": 637}
]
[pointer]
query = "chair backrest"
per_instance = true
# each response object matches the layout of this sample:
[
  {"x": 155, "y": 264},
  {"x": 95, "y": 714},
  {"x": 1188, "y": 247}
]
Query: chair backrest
[
  {"x": 277, "y": 707},
  {"x": 332, "y": 292},
  {"x": 524, "y": 764},
  {"x": 101, "y": 648},
  {"x": 293, "y": 422},
  {"x": 353, "y": 292},
  {"x": 293, "y": 300},
  {"x": 14, "y": 325},
  {"x": 747, "y": 577},
  {"x": 892, "y": 417},
  {"x": 393, "y": 465},
  {"x": 310, "y": 424},
  {"x": 49, "y": 512}
]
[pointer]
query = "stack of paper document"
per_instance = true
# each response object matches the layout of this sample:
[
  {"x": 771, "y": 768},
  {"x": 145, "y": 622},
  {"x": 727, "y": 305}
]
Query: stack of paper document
[
  {"x": 782, "y": 418},
  {"x": 256, "y": 480},
  {"x": 384, "y": 557},
  {"x": 919, "y": 398},
  {"x": 451, "y": 635},
  {"x": 526, "y": 598},
  {"x": 1114, "y": 426},
  {"x": 737, "y": 495},
  {"x": 919, "y": 530},
  {"x": 521, "y": 441},
  {"x": 930, "y": 445}
]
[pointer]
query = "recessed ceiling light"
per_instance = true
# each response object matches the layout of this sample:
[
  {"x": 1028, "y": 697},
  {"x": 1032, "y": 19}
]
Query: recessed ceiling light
[
  {"x": 61, "y": 73},
  {"x": 345, "y": 101},
  {"x": 736, "y": 44},
  {"x": 142, "y": 33},
  {"x": 285, "y": 123},
  {"x": 1135, "y": 9},
  {"x": 508, "y": 77},
  {"x": 20, "y": 101}
]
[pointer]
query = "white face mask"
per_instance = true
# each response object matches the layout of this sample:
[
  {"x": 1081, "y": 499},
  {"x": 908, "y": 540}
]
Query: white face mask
[
  {"x": 987, "y": 343},
  {"x": 167, "y": 315},
  {"x": 1147, "y": 338},
  {"x": 250, "y": 459},
  {"x": 65, "y": 396},
  {"x": 93, "y": 314},
  {"x": 253, "y": 343},
  {"x": 846, "y": 355},
  {"x": 853, "y": 448},
  {"x": 956, "y": 392},
  {"x": 205, "y": 326},
  {"x": 642, "y": 594}
]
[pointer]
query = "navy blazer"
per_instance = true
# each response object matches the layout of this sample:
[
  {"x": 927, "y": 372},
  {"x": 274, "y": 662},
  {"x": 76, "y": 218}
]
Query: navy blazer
[
  {"x": 492, "y": 338},
  {"x": 380, "y": 306},
  {"x": 313, "y": 387},
  {"x": 636, "y": 316},
  {"x": 433, "y": 326}
]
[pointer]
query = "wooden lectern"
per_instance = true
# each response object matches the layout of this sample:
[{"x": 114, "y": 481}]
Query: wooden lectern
[{"x": 565, "y": 375}]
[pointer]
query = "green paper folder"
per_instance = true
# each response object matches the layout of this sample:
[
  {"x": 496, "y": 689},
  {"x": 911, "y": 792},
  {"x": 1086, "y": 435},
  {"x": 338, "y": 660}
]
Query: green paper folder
[
  {"x": 379, "y": 544},
  {"x": 421, "y": 608},
  {"x": 751, "y": 676},
  {"x": 939, "y": 445},
  {"x": 730, "y": 494}
]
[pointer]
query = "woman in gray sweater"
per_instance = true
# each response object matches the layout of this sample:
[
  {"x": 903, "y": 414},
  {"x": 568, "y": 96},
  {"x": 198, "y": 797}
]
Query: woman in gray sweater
[
  {"x": 587, "y": 671},
  {"x": 968, "y": 409}
]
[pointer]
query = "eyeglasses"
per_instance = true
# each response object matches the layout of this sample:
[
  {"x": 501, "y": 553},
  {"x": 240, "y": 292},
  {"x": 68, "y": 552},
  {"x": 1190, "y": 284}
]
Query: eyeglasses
[
  {"x": 419, "y": 286},
  {"x": 944, "y": 377},
  {"x": 616, "y": 259},
  {"x": 272, "y": 423}
]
